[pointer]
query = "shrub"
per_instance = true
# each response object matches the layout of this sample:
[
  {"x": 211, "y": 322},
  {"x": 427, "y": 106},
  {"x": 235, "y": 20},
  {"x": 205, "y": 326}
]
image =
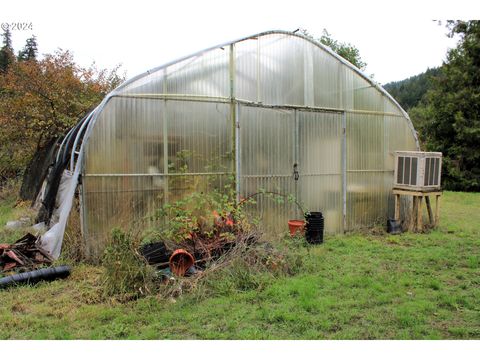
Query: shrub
[{"x": 126, "y": 275}]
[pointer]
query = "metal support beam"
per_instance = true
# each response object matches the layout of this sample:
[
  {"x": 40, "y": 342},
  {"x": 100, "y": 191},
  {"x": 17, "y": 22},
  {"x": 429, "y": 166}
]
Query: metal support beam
[
  {"x": 165, "y": 137},
  {"x": 344, "y": 170},
  {"x": 234, "y": 110}
]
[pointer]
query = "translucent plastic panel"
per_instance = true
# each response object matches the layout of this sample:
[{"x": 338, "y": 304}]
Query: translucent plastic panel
[
  {"x": 271, "y": 70},
  {"x": 200, "y": 137},
  {"x": 117, "y": 201},
  {"x": 367, "y": 193},
  {"x": 206, "y": 75},
  {"x": 319, "y": 142},
  {"x": 267, "y": 158},
  {"x": 247, "y": 81},
  {"x": 365, "y": 142},
  {"x": 149, "y": 84},
  {"x": 390, "y": 107},
  {"x": 266, "y": 141},
  {"x": 319, "y": 163},
  {"x": 125, "y": 174},
  {"x": 272, "y": 211},
  {"x": 366, "y": 96},
  {"x": 398, "y": 137},
  {"x": 327, "y": 77},
  {"x": 127, "y": 138},
  {"x": 367, "y": 198}
]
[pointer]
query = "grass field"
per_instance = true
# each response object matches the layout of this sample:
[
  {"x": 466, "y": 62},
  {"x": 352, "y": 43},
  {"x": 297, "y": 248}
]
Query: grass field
[{"x": 359, "y": 286}]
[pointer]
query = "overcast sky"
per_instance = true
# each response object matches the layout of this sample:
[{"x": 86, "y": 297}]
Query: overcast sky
[{"x": 397, "y": 39}]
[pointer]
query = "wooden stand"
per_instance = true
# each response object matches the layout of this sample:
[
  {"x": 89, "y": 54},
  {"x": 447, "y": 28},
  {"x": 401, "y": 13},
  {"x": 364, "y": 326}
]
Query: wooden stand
[{"x": 416, "y": 222}]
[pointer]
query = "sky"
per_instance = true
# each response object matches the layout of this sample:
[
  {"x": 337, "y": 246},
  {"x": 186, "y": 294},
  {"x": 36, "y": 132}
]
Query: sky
[{"x": 397, "y": 39}]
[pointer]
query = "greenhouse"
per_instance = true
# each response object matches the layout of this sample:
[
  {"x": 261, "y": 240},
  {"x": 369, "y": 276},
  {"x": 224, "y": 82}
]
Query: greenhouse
[{"x": 275, "y": 111}]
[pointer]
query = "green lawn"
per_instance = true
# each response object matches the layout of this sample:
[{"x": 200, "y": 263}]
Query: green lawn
[{"x": 412, "y": 286}]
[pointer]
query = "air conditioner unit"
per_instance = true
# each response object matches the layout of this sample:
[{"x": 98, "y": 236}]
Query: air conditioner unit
[{"x": 417, "y": 170}]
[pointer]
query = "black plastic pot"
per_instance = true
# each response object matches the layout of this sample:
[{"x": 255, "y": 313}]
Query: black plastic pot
[
  {"x": 32, "y": 277},
  {"x": 394, "y": 227},
  {"x": 314, "y": 227}
]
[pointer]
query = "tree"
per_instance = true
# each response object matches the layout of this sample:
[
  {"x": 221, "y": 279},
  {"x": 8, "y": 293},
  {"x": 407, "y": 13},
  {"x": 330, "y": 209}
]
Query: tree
[
  {"x": 40, "y": 100},
  {"x": 30, "y": 50},
  {"x": 449, "y": 115},
  {"x": 345, "y": 50},
  {"x": 409, "y": 92},
  {"x": 6, "y": 52}
]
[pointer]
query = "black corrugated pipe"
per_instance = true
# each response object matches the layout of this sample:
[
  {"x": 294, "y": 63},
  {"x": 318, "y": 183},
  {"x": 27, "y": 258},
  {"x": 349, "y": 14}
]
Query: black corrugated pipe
[{"x": 32, "y": 277}]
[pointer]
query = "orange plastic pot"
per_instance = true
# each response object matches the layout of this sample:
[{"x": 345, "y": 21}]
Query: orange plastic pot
[
  {"x": 180, "y": 261},
  {"x": 296, "y": 226}
]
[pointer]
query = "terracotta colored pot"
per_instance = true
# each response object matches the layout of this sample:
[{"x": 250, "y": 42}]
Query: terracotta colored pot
[
  {"x": 180, "y": 261},
  {"x": 296, "y": 226}
]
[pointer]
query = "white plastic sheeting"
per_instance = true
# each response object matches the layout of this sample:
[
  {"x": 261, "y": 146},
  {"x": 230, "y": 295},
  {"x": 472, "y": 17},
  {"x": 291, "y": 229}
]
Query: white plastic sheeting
[{"x": 52, "y": 240}]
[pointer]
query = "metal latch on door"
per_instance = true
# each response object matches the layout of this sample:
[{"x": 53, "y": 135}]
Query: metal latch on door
[{"x": 295, "y": 172}]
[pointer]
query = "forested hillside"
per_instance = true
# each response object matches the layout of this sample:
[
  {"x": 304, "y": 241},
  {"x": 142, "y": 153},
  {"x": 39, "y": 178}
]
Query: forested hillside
[{"x": 410, "y": 91}]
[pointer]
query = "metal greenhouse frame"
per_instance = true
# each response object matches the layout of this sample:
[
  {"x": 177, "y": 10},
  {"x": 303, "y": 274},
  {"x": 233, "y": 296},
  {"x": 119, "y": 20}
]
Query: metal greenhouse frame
[{"x": 263, "y": 109}]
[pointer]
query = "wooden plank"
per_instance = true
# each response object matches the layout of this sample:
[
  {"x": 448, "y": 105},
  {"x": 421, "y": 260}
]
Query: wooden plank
[
  {"x": 429, "y": 210},
  {"x": 397, "y": 206},
  {"x": 416, "y": 193}
]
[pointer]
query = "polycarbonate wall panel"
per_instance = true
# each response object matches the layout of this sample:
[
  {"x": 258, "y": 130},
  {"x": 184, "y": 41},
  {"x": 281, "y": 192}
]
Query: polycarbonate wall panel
[
  {"x": 125, "y": 174},
  {"x": 281, "y": 69},
  {"x": 205, "y": 75},
  {"x": 328, "y": 79},
  {"x": 200, "y": 137},
  {"x": 127, "y": 138},
  {"x": 272, "y": 70},
  {"x": 319, "y": 165},
  {"x": 117, "y": 201},
  {"x": 371, "y": 143},
  {"x": 367, "y": 190},
  {"x": 366, "y": 96},
  {"x": 267, "y": 158}
]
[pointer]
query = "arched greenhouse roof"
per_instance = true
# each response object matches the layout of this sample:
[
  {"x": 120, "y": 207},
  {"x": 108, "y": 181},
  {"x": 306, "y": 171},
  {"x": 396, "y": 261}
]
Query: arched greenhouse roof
[{"x": 212, "y": 65}]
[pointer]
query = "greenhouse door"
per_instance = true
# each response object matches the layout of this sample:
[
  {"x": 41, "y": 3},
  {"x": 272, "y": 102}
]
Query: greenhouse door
[
  {"x": 265, "y": 160},
  {"x": 319, "y": 158},
  {"x": 291, "y": 152}
]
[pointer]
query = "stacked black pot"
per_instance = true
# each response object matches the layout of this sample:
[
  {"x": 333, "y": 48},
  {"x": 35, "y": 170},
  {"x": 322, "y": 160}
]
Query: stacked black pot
[{"x": 314, "y": 227}]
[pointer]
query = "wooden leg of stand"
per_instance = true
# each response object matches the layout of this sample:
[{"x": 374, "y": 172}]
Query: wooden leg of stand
[
  {"x": 437, "y": 210},
  {"x": 429, "y": 210},
  {"x": 419, "y": 214},
  {"x": 411, "y": 225},
  {"x": 397, "y": 207}
]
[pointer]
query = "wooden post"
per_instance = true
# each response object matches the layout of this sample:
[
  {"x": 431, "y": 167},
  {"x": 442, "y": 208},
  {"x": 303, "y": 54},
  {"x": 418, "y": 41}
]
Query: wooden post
[
  {"x": 437, "y": 210},
  {"x": 397, "y": 207},
  {"x": 411, "y": 225},
  {"x": 419, "y": 214},
  {"x": 429, "y": 210}
]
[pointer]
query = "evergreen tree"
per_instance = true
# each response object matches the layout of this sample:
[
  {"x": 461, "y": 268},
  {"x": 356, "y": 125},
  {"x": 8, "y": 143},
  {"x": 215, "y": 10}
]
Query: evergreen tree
[
  {"x": 30, "y": 50},
  {"x": 6, "y": 52},
  {"x": 409, "y": 92},
  {"x": 449, "y": 116}
]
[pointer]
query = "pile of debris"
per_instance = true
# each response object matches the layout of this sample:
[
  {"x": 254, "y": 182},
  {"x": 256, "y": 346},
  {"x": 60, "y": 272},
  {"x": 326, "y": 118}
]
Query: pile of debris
[
  {"x": 23, "y": 255},
  {"x": 201, "y": 247}
]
